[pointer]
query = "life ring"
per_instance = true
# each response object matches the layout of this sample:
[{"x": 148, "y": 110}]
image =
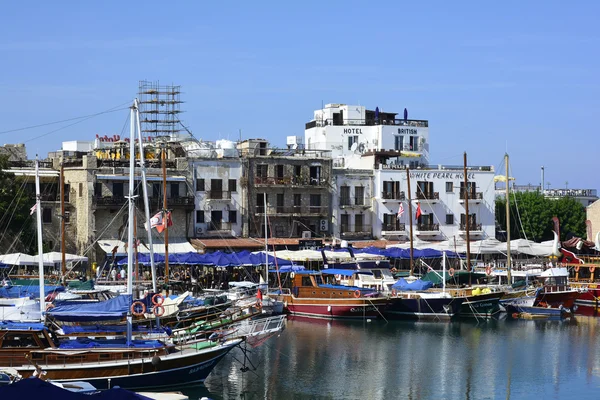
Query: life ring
[
  {"x": 161, "y": 279},
  {"x": 176, "y": 275},
  {"x": 259, "y": 305},
  {"x": 577, "y": 268},
  {"x": 592, "y": 269},
  {"x": 71, "y": 275},
  {"x": 451, "y": 272},
  {"x": 158, "y": 299},
  {"x": 394, "y": 269},
  {"x": 488, "y": 270},
  {"x": 159, "y": 311},
  {"x": 394, "y": 293},
  {"x": 53, "y": 278},
  {"x": 357, "y": 293},
  {"x": 135, "y": 306}
]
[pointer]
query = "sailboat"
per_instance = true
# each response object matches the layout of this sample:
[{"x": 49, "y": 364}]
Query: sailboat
[{"x": 128, "y": 363}]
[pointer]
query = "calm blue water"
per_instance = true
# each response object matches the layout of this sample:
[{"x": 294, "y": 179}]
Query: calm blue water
[{"x": 502, "y": 359}]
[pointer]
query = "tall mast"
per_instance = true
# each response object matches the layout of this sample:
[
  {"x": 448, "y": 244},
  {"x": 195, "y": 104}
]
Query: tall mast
[
  {"x": 145, "y": 192},
  {"x": 444, "y": 271},
  {"x": 62, "y": 222},
  {"x": 467, "y": 222},
  {"x": 508, "y": 267},
  {"x": 38, "y": 207},
  {"x": 130, "y": 232},
  {"x": 266, "y": 242},
  {"x": 166, "y": 222},
  {"x": 410, "y": 219}
]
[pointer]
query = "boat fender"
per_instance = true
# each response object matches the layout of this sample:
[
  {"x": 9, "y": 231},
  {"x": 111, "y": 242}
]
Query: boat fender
[
  {"x": 394, "y": 293},
  {"x": 159, "y": 311},
  {"x": 577, "y": 268},
  {"x": 158, "y": 299},
  {"x": 592, "y": 269},
  {"x": 488, "y": 270},
  {"x": 156, "y": 360},
  {"x": 292, "y": 275},
  {"x": 357, "y": 293},
  {"x": 451, "y": 272},
  {"x": 138, "y": 308}
]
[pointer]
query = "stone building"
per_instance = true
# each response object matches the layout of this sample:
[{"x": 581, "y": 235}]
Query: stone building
[{"x": 296, "y": 185}]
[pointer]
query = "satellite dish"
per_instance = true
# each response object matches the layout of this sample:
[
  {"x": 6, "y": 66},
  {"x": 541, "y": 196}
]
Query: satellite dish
[
  {"x": 354, "y": 146},
  {"x": 361, "y": 148}
]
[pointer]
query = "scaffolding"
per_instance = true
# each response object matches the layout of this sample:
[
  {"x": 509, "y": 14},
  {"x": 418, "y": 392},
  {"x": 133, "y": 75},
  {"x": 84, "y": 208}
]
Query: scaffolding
[{"x": 159, "y": 108}]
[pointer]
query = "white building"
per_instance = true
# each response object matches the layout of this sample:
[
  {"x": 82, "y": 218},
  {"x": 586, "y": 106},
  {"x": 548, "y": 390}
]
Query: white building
[
  {"x": 349, "y": 130},
  {"x": 217, "y": 171},
  {"x": 371, "y": 150}
]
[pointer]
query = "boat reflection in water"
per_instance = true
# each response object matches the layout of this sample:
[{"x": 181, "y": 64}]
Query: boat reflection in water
[{"x": 495, "y": 359}]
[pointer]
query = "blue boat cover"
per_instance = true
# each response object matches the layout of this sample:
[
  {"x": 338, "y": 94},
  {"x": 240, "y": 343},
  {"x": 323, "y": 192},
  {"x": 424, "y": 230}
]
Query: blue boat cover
[
  {"x": 101, "y": 328},
  {"x": 21, "y": 326},
  {"x": 34, "y": 388},
  {"x": 32, "y": 291},
  {"x": 402, "y": 284},
  {"x": 217, "y": 259},
  {"x": 114, "y": 308},
  {"x": 86, "y": 343},
  {"x": 288, "y": 268},
  {"x": 344, "y": 272}
]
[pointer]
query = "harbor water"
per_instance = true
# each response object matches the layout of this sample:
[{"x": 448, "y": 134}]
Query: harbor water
[{"x": 495, "y": 359}]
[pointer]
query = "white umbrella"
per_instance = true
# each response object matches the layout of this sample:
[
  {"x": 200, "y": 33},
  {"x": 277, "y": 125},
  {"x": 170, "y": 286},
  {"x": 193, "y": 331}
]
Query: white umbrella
[{"x": 56, "y": 257}]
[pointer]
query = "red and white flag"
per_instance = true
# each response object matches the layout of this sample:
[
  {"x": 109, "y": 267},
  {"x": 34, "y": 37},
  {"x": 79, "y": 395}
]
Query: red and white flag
[
  {"x": 155, "y": 222},
  {"x": 166, "y": 221},
  {"x": 32, "y": 209},
  {"x": 400, "y": 210}
]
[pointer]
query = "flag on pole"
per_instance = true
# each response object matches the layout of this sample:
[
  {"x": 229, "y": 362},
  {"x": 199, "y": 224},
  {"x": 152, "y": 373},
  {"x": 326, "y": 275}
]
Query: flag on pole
[
  {"x": 32, "y": 209},
  {"x": 155, "y": 222},
  {"x": 400, "y": 210},
  {"x": 419, "y": 213},
  {"x": 165, "y": 221}
]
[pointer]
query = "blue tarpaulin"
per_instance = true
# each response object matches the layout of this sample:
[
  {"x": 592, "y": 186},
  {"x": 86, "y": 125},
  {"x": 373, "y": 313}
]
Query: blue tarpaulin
[
  {"x": 288, "y": 268},
  {"x": 402, "y": 284},
  {"x": 344, "y": 272},
  {"x": 33, "y": 291},
  {"x": 217, "y": 259},
  {"x": 114, "y": 308}
]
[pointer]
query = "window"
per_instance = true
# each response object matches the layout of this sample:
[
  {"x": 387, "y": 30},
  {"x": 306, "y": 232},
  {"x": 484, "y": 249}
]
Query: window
[
  {"x": 297, "y": 171},
  {"x": 297, "y": 201},
  {"x": 46, "y": 215},
  {"x": 345, "y": 195},
  {"x": 449, "y": 219},
  {"x": 262, "y": 170},
  {"x": 351, "y": 141},
  {"x": 261, "y": 199},
  {"x": 280, "y": 203},
  {"x": 200, "y": 216},
  {"x": 67, "y": 217},
  {"x": 279, "y": 169},
  {"x": 199, "y": 185},
  {"x": 80, "y": 189},
  {"x": 174, "y": 190},
  {"x": 97, "y": 190},
  {"x": 358, "y": 222},
  {"x": 470, "y": 190},
  {"x": 399, "y": 142},
  {"x": 315, "y": 200},
  {"x": 344, "y": 223},
  {"x": 424, "y": 190},
  {"x": 315, "y": 175},
  {"x": 233, "y": 217},
  {"x": 449, "y": 187},
  {"x": 118, "y": 189},
  {"x": 359, "y": 195},
  {"x": 232, "y": 185}
]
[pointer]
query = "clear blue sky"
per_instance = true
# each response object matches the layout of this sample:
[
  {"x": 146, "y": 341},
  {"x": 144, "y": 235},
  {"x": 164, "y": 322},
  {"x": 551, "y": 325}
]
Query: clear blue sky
[{"x": 516, "y": 75}]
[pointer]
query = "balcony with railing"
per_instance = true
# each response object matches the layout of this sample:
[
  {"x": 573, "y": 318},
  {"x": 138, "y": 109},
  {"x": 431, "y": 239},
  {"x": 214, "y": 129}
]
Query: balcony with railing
[
  {"x": 425, "y": 229},
  {"x": 110, "y": 201},
  {"x": 293, "y": 210},
  {"x": 398, "y": 196},
  {"x": 289, "y": 180},
  {"x": 173, "y": 202},
  {"x": 427, "y": 197},
  {"x": 474, "y": 229},
  {"x": 474, "y": 197},
  {"x": 359, "y": 232},
  {"x": 393, "y": 229},
  {"x": 218, "y": 195},
  {"x": 218, "y": 226},
  {"x": 418, "y": 123},
  {"x": 350, "y": 202}
]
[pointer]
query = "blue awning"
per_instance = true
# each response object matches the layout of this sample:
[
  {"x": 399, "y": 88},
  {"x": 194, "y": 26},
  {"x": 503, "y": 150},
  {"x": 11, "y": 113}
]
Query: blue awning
[
  {"x": 114, "y": 308},
  {"x": 344, "y": 272}
]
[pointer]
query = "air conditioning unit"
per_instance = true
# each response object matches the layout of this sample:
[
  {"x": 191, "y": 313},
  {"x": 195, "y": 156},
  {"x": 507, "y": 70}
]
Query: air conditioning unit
[
  {"x": 198, "y": 231},
  {"x": 324, "y": 225},
  {"x": 306, "y": 235}
]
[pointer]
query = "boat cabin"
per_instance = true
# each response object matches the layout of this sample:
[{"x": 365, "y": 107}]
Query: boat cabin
[{"x": 322, "y": 284}]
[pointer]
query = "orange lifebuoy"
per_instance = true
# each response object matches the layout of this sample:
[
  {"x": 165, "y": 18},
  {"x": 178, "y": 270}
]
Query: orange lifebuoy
[
  {"x": 577, "y": 268},
  {"x": 592, "y": 269},
  {"x": 158, "y": 299},
  {"x": 135, "y": 308},
  {"x": 176, "y": 276},
  {"x": 259, "y": 304},
  {"x": 451, "y": 272},
  {"x": 394, "y": 293},
  {"x": 488, "y": 270},
  {"x": 159, "y": 310},
  {"x": 357, "y": 293}
]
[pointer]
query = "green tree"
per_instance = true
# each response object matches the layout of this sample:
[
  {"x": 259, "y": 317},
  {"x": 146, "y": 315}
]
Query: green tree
[
  {"x": 531, "y": 216},
  {"x": 16, "y": 225}
]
